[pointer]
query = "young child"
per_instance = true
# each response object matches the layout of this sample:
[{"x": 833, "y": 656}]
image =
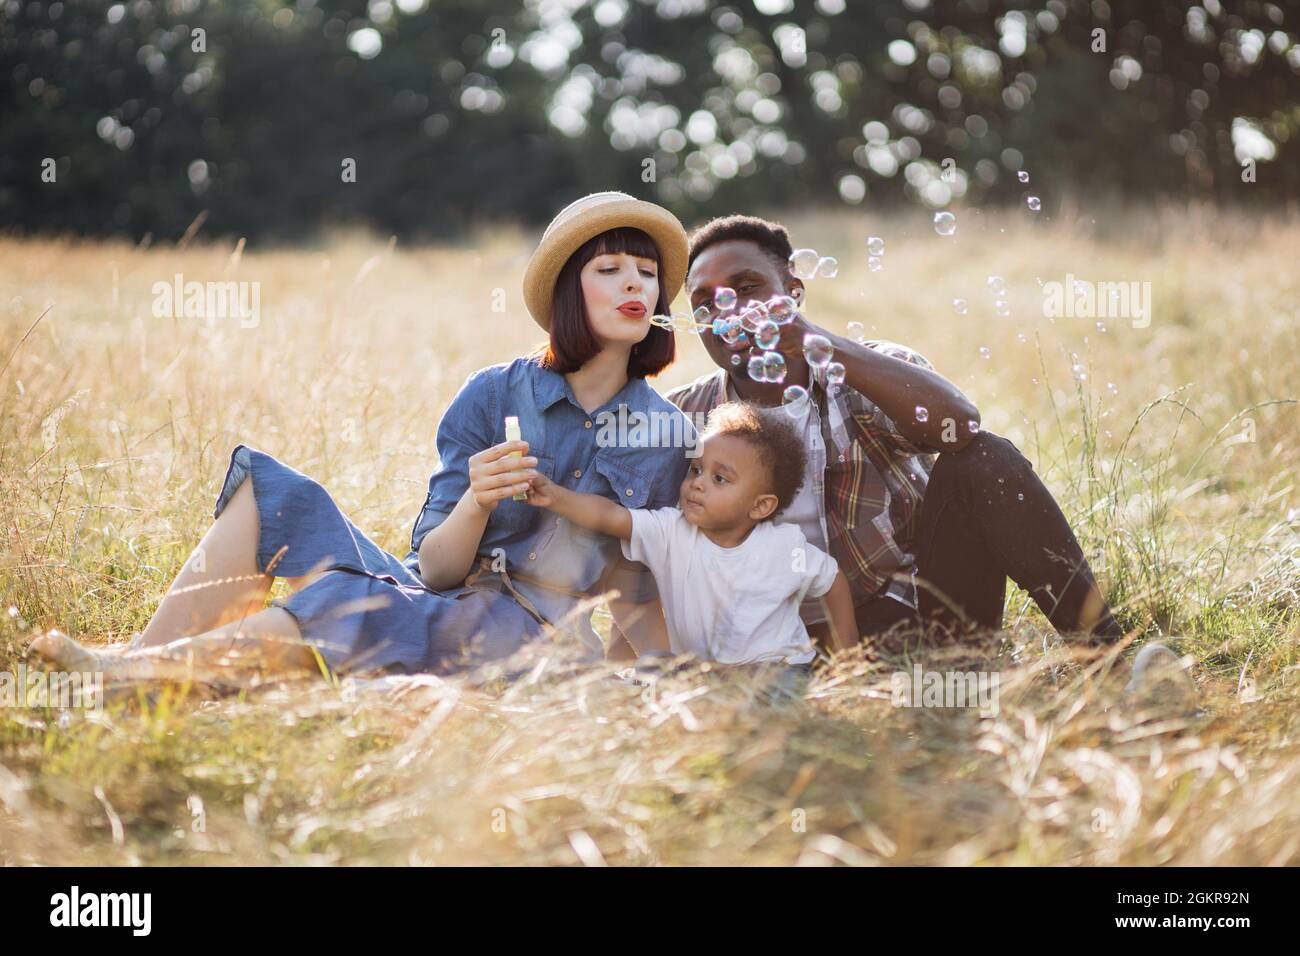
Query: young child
[{"x": 730, "y": 580}]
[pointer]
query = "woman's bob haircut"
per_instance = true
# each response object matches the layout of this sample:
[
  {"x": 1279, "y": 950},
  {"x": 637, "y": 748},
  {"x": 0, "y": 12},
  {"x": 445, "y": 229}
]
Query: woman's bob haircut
[{"x": 572, "y": 342}]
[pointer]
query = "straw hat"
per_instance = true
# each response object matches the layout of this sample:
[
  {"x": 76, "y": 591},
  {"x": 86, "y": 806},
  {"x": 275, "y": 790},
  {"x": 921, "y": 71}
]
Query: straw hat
[{"x": 589, "y": 216}]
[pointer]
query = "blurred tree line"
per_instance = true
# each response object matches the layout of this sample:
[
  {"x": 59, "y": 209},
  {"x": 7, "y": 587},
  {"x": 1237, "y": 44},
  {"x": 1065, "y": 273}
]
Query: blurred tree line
[{"x": 415, "y": 117}]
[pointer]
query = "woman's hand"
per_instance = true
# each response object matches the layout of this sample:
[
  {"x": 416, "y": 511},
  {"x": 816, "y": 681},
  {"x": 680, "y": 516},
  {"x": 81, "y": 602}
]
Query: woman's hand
[{"x": 494, "y": 476}]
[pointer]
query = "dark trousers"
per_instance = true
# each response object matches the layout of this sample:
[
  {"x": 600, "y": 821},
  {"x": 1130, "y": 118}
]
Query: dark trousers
[{"x": 987, "y": 517}]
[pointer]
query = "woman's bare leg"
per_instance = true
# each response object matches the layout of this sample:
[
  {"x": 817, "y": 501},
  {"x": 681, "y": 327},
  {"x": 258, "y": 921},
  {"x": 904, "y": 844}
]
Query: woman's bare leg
[
  {"x": 220, "y": 582},
  {"x": 268, "y": 642}
]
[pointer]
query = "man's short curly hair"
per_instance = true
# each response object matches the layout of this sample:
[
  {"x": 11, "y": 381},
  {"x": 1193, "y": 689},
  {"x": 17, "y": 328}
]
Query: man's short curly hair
[
  {"x": 771, "y": 433},
  {"x": 771, "y": 237}
]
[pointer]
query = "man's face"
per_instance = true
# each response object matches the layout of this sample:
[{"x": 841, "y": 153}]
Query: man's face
[{"x": 741, "y": 265}]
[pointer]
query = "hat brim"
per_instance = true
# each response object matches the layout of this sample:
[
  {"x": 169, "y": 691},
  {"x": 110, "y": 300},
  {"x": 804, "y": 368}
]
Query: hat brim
[{"x": 563, "y": 241}]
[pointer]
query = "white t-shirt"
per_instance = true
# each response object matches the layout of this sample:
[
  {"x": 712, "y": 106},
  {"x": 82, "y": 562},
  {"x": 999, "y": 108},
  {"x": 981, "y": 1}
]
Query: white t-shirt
[
  {"x": 735, "y": 605},
  {"x": 804, "y": 510}
]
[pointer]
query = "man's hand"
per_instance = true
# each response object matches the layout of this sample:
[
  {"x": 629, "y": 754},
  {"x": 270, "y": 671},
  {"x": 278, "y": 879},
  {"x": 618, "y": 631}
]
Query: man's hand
[{"x": 790, "y": 345}]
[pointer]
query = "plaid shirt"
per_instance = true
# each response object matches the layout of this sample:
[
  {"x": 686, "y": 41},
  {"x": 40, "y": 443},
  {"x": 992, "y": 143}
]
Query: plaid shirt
[{"x": 869, "y": 495}]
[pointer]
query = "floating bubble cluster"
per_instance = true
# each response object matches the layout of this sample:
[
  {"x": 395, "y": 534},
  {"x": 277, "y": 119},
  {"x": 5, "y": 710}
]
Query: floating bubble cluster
[{"x": 766, "y": 366}]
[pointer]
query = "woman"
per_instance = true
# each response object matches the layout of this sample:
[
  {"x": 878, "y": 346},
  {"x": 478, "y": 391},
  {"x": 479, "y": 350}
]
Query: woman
[{"x": 485, "y": 572}]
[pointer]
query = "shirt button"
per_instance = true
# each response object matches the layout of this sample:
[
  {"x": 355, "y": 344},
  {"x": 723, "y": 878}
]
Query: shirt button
[
  {"x": 577, "y": 473},
  {"x": 532, "y": 556},
  {"x": 587, "y": 424},
  {"x": 628, "y": 492}
]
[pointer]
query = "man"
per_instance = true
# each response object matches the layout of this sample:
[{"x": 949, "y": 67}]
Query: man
[{"x": 914, "y": 534}]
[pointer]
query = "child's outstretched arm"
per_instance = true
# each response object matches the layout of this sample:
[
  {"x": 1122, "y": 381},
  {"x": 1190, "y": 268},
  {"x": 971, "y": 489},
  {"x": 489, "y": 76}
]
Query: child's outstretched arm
[
  {"x": 839, "y": 611},
  {"x": 587, "y": 511}
]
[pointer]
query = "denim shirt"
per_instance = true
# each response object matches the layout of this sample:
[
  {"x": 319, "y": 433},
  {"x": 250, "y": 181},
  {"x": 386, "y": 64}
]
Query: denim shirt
[{"x": 551, "y": 561}]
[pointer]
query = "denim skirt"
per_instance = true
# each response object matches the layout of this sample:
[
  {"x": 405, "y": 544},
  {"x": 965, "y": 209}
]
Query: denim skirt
[{"x": 376, "y": 615}]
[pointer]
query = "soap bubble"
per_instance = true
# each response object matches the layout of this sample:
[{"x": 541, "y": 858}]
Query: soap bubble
[
  {"x": 874, "y": 264},
  {"x": 857, "y": 332},
  {"x": 751, "y": 316},
  {"x": 756, "y": 367},
  {"x": 972, "y": 426},
  {"x": 781, "y": 309},
  {"x": 876, "y": 246},
  {"x": 1023, "y": 176},
  {"x": 945, "y": 223},
  {"x": 792, "y": 398},
  {"x": 767, "y": 334},
  {"x": 1112, "y": 388},
  {"x": 828, "y": 267},
  {"x": 773, "y": 367},
  {"x": 997, "y": 285},
  {"x": 720, "y": 326},
  {"x": 922, "y": 413},
  {"x": 1034, "y": 203},
  {"x": 1080, "y": 373},
  {"x": 959, "y": 306},
  {"x": 804, "y": 262},
  {"x": 1002, "y": 307},
  {"x": 817, "y": 349},
  {"x": 725, "y": 299},
  {"x": 835, "y": 373},
  {"x": 984, "y": 352},
  {"x": 682, "y": 322},
  {"x": 735, "y": 358}
]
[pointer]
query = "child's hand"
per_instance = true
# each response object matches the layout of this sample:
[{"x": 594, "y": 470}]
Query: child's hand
[{"x": 542, "y": 491}]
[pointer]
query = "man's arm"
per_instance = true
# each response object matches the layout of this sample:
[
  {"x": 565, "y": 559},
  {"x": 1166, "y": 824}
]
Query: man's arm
[
  {"x": 898, "y": 387},
  {"x": 839, "y": 612}
]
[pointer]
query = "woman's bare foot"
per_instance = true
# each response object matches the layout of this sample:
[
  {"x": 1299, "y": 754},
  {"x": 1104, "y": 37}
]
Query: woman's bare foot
[{"x": 55, "y": 647}]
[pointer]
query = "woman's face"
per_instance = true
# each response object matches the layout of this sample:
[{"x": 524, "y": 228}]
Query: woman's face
[{"x": 620, "y": 291}]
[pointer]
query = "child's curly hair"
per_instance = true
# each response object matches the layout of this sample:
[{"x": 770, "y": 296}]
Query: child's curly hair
[{"x": 772, "y": 434}]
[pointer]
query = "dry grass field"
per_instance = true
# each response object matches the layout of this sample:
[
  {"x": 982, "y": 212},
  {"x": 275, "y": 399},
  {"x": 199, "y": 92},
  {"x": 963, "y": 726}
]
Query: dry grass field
[{"x": 1172, "y": 447}]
